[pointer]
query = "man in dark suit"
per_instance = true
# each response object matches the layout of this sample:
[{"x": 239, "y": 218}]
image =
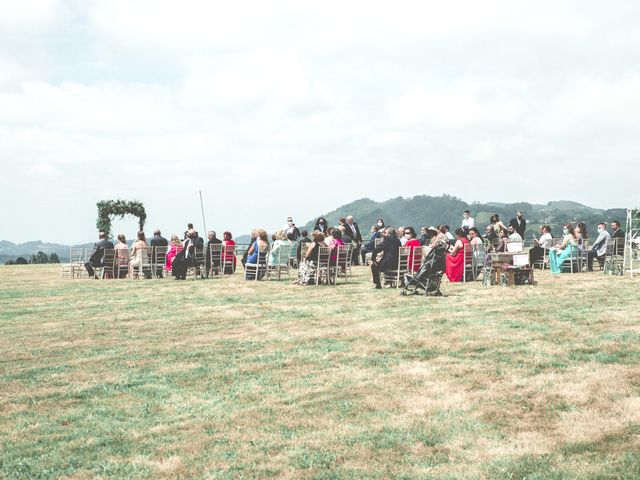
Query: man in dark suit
[
  {"x": 390, "y": 247},
  {"x": 617, "y": 234},
  {"x": 97, "y": 256},
  {"x": 353, "y": 231},
  {"x": 213, "y": 240},
  {"x": 519, "y": 223},
  {"x": 158, "y": 241}
]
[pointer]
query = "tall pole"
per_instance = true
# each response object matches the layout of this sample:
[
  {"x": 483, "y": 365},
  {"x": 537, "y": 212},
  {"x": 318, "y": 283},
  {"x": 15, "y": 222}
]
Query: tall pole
[{"x": 204, "y": 224}]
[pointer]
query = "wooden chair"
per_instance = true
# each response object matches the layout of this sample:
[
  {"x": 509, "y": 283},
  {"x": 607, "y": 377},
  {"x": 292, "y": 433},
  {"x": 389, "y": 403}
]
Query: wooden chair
[
  {"x": 121, "y": 263},
  {"x": 323, "y": 269},
  {"x": 215, "y": 259},
  {"x": 228, "y": 259},
  {"x": 394, "y": 277},
  {"x": 158, "y": 261},
  {"x": 260, "y": 269},
  {"x": 108, "y": 264},
  {"x": 197, "y": 267},
  {"x": 614, "y": 258},
  {"x": 343, "y": 263},
  {"x": 469, "y": 264},
  {"x": 75, "y": 266},
  {"x": 281, "y": 262}
]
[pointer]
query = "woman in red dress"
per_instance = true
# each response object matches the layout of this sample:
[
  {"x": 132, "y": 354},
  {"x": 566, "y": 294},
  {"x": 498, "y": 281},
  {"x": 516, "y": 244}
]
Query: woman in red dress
[
  {"x": 415, "y": 255},
  {"x": 228, "y": 258},
  {"x": 455, "y": 258}
]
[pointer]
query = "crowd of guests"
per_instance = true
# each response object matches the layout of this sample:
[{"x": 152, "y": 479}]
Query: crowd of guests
[{"x": 382, "y": 247}]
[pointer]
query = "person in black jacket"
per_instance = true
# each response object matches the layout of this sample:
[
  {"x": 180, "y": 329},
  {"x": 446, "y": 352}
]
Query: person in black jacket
[
  {"x": 353, "y": 231},
  {"x": 390, "y": 247},
  {"x": 519, "y": 223},
  {"x": 617, "y": 234},
  {"x": 321, "y": 225},
  {"x": 212, "y": 240},
  {"x": 97, "y": 256},
  {"x": 158, "y": 241}
]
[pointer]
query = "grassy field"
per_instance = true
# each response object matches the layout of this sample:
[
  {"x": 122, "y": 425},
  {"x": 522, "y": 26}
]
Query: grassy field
[{"x": 230, "y": 379}]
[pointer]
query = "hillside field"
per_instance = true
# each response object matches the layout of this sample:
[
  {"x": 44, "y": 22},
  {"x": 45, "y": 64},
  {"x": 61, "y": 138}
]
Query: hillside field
[{"x": 226, "y": 379}]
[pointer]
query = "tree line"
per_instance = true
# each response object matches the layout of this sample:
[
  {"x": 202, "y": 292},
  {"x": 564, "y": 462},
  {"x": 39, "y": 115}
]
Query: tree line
[{"x": 36, "y": 258}]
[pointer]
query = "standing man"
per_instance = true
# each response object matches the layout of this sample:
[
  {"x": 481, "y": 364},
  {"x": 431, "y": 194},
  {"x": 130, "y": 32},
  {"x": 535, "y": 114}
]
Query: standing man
[
  {"x": 467, "y": 222},
  {"x": 354, "y": 232},
  {"x": 97, "y": 256},
  {"x": 599, "y": 247},
  {"x": 290, "y": 228},
  {"x": 519, "y": 223},
  {"x": 158, "y": 241}
]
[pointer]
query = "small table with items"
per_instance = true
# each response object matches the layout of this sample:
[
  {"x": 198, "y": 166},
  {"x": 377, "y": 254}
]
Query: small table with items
[{"x": 511, "y": 269}]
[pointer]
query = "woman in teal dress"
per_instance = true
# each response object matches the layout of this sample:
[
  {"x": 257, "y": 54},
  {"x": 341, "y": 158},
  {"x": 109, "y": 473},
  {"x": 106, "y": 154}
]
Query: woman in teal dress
[{"x": 566, "y": 249}]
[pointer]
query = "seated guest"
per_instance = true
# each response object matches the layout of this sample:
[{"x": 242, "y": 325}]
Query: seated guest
[
  {"x": 454, "y": 261},
  {"x": 514, "y": 236},
  {"x": 228, "y": 256},
  {"x": 536, "y": 253},
  {"x": 97, "y": 256},
  {"x": 279, "y": 240},
  {"x": 381, "y": 226},
  {"x": 258, "y": 246},
  {"x": 566, "y": 249},
  {"x": 122, "y": 257},
  {"x": 337, "y": 242},
  {"x": 346, "y": 238},
  {"x": 139, "y": 255},
  {"x": 157, "y": 241},
  {"x": 328, "y": 238},
  {"x": 425, "y": 237},
  {"x": 599, "y": 247},
  {"x": 415, "y": 255},
  {"x": 385, "y": 257},
  {"x": 617, "y": 234},
  {"x": 400, "y": 235},
  {"x": 474, "y": 237},
  {"x": 440, "y": 236},
  {"x": 503, "y": 238},
  {"x": 490, "y": 234},
  {"x": 583, "y": 235},
  {"x": 175, "y": 247},
  {"x": 293, "y": 241},
  {"x": 186, "y": 232},
  {"x": 254, "y": 237},
  {"x": 371, "y": 244},
  {"x": 212, "y": 264},
  {"x": 450, "y": 238},
  {"x": 303, "y": 239},
  {"x": 308, "y": 265}
]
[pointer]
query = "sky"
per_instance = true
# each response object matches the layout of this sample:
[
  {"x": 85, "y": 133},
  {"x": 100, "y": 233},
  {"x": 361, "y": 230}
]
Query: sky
[{"x": 294, "y": 108}]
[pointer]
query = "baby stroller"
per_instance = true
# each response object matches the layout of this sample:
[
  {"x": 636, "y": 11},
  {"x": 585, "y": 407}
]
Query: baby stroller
[{"x": 430, "y": 274}]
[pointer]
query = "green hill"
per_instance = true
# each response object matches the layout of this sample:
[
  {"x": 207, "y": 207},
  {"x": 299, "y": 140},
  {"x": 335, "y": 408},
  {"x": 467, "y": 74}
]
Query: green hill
[{"x": 424, "y": 210}]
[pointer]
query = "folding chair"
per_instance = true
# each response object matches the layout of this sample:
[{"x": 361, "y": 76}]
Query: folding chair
[
  {"x": 323, "y": 269},
  {"x": 260, "y": 269},
  {"x": 343, "y": 263},
  {"x": 281, "y": 262},
  {"x": 393, "y": 277},
  {"x": 158, "y": 261},
  {"x": 215, "y": 259},
  {"x": 108, "y": 262},
  {"x": 228, "y": 259}
]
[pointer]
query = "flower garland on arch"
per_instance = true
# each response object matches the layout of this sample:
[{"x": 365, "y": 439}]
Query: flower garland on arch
[{"x": 119, "y": 208}]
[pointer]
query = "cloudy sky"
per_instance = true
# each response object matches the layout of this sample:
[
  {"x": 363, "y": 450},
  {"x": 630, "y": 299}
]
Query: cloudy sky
[{"x": 294, "y": 108}]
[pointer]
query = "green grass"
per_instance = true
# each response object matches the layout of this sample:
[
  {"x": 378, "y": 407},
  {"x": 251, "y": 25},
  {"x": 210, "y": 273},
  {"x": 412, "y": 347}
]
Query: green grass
[{"x": 231, "y": 379}]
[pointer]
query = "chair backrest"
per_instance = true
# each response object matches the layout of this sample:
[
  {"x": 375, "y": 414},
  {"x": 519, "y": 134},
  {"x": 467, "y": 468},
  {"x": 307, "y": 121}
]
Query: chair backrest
[
  {"x": 109, "y": 259},
  {"x": 377, "y": 242},
  {"x": 282, "y": 255},
  {"x": 159, "y": 255},
  {"x": 514, "y": 247},
  {"x": 304, "y": 246},
  {"x": 263, "y": 254},
  {"x": 215, "y": 253},
  {"x": 122, "y": 257},
  {"x": 417, "y": 257},
  {"x": 229, "y": 252},
  {"x": 76, "y": 255},
  {"x": 324, "y": 254},
  {"x": 547, "y": 244},
  {"x": 147, "y": 256},
  {"x": 198, "y": 255},
  {"x": 343, "y": 255},
  {"x": 403, "y": 258}
]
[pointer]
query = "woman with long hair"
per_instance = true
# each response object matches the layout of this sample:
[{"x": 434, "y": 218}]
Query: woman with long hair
[{"x": 566, "y": 249}]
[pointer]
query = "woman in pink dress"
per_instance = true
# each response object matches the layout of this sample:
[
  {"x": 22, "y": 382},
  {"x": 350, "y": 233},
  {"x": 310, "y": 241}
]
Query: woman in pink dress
[
  {"x": 175, "y": 247},
  {"x": 228, "y": 254},
  {"x": 455, "y": 259},
  {"x": 415, "y": 255}
]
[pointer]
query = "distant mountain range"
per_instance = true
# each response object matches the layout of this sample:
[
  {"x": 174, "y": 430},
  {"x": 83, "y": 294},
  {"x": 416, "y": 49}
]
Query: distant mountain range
[{"x": 421, "y": 210}]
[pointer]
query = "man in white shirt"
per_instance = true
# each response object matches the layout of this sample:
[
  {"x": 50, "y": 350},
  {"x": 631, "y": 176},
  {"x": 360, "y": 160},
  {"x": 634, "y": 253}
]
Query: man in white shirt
[
  {"x": 401, "y": 237},
  {"x": 513, "y": 235},
  {"x": 450, "y": 238},
  {"x": 599, "y": 247},
  {"x": 536, "y": 253},
  {"x": 467, "y": 222}
]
